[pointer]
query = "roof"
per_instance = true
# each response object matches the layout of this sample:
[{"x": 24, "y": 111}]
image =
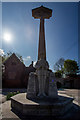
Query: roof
[{"x": 13, "y": 55}]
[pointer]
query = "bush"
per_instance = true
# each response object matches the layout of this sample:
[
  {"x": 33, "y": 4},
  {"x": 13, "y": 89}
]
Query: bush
[
  {"x": 58, "y": 74},
  {"x": 59, "y": 85},
  {"x": 10, "y": 94}
]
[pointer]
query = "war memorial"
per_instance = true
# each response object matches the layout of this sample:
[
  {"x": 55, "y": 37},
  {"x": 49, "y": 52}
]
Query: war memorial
[{"x": 42, "y": 98}]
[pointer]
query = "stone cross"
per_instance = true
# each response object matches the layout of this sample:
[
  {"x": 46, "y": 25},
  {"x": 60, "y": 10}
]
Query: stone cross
[
  {"x": 40, "y": 83},
  {"x": 41, "y": 13}
]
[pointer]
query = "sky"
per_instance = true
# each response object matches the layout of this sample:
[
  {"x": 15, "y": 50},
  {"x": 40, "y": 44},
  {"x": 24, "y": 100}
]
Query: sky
[{"x": 61, "y": 30}]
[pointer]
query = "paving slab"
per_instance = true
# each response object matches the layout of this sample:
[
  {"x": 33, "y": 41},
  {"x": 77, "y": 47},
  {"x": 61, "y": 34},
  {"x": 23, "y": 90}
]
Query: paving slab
[
  {"x": 2, "y": 98},
  {"x": 6, "y": 110}
]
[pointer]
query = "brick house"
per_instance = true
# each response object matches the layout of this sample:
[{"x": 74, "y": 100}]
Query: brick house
[{"x": 16, "y": 73}]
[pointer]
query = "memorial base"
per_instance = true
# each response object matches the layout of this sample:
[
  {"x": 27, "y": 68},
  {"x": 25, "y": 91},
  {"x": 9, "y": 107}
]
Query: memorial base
[{"x": 41, "y": 107}]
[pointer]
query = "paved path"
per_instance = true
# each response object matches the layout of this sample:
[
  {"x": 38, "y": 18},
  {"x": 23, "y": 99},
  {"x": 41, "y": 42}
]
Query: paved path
[
  {"x": 75, "y": 93},
  {"x": 2, "y": 98},
  {"x": 6, "y": 110},
  {"x": 7, "y": 113}
]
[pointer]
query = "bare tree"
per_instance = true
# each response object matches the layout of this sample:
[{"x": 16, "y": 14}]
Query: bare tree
[{"x": 59, "y": 64}]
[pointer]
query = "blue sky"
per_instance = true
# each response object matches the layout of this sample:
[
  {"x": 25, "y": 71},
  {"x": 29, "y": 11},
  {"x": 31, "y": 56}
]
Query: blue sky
[{"x": 61, "y": 30}]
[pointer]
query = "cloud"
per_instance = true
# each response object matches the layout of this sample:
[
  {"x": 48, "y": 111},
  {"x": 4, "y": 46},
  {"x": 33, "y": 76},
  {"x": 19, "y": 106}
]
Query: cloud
[
  {"x": 34, "y": 63},
  {"x": 27, "y": 60},
  {"x": 1, "y": 52}
]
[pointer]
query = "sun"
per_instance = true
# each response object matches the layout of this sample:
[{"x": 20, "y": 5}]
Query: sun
[{"x": 7, "y": 37}]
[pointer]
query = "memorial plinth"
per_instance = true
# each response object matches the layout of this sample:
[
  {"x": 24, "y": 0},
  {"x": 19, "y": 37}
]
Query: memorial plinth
[
  {"x": 40, "y": 106},
  {"x": 42, "y": 96}
]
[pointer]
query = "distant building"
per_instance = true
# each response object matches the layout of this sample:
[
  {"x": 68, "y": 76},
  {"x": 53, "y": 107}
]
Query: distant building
[
  {"x": 28, "y": 70},
  {"x": 72, "y": 82},
  {"x": 69, "y": 82},
  {"x": 16, "y": 73}
]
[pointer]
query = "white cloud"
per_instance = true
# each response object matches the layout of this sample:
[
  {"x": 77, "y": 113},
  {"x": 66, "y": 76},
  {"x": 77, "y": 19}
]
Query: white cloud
[
  {"x": 1, "y": 52},
  {"x": 34, "y": 63},
  {"x": 28, "y": 57},
  {"x": 27, "y": 60}
]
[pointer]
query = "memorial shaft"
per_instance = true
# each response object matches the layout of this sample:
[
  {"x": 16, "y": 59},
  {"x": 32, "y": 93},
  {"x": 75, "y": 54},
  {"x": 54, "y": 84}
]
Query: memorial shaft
[
  {"x": 41, "y": 13},
  {"x": 41, "y": 47}
]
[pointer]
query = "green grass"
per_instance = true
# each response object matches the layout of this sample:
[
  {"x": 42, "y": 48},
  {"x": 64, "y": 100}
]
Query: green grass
[
  {"x": 62, "y": 89},
  {"x": 10, "y": 94}
]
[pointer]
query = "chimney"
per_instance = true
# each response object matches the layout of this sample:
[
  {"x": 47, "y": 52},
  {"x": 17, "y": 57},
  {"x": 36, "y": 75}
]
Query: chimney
[{"x": 32, "y": 63}]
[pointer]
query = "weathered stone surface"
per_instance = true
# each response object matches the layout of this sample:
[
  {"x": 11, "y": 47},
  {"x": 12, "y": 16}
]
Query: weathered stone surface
[
  {"x": 46, "y": 86},
  {"x": 42, "y": 63},
  {"x": 41, "y": 11},
  {"x": 41, "y": 71},
  {"x": 52, "y": 86},
  {"x": 32, "y": 87},
  {"x": 41, "y": 107}
]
